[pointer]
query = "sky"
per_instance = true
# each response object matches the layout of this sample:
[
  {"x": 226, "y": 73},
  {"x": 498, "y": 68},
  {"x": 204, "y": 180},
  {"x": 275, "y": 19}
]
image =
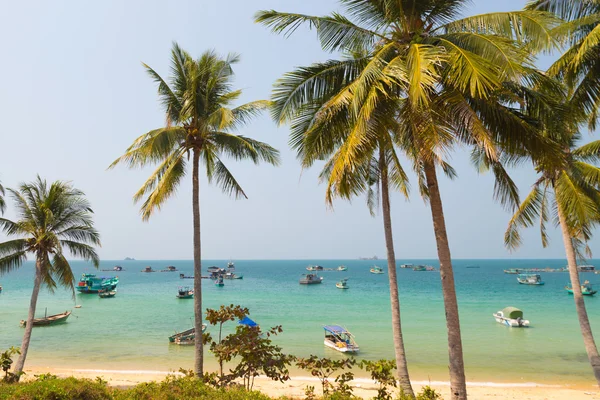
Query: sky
[{"x": 75, "y": 95}]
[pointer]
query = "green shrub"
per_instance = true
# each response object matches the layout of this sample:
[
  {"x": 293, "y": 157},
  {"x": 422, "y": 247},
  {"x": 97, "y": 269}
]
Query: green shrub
[
  {"x": 56, "y": 389},
  {"x": 427, "y": 393}
]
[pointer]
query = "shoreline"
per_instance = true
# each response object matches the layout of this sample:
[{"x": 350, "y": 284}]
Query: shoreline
[{"x": 363, "y": 387}]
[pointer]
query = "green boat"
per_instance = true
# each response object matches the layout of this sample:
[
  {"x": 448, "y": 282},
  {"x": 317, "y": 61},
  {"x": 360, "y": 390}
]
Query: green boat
[
  {"x": 586, "y": 289},
  {"x": 419, "y": 268},
  {"x": 90, "y": 283},
  {"x": 185, "y": 293}
]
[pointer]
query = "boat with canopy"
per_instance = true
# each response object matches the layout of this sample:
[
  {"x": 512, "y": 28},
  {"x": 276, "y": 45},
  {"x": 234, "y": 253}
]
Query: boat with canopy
[
  {"x": 376, "y": 270},
  {"x": 343, "y": 284},
  {"x": 185, "y": 293},
  {"x": 512, "y": 317},
  {"x": 530, "y": 279},
  {"x": 90, "y": 283},
  {"x": 586, "y": 289},
  {"x": 310, "y": 279},
  {"x": 339, "y": 338}
]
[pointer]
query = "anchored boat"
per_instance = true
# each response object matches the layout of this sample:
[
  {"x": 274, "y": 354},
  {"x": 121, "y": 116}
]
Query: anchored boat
[
  {"x": 376, "y": 270},
  {"x": 185, "y": 293},
  {"x": 586, "y": 289},
  {"x": 314, "y": 268},
  {"x": 185, "y": 337},
  {"x": 148, "y": 269},
  {"x": 49, "y": 319},
  {"x": 342, "y": 268},
  {"x": 512, "y": 317},
  {"x": 530, "y": 279},
  {"x": 170, "y": 268},
  {"x": 310, "y": 279},
  {"x": 340, "y": 339},
  {"x": 90, "y": 283},
  {"x": 219, "y": 281},
  {"x": 343, "y": 284},
  {"x": 105, "y": 294}
]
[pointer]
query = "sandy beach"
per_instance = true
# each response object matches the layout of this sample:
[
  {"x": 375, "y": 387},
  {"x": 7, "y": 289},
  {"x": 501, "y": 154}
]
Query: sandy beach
[{"x": 363, "y": 388}]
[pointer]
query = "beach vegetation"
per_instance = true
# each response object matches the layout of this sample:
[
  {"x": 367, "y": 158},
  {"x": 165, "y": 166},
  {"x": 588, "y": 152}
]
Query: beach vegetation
[
  {"x": 382, "y": 372},
  {"x": 6, "y": 361},
  {"x": 52, "y": 218},
  {"x": 324, "y": 368},
  {"x": 197, "y": 100},
  {"x": 416, "y": 79}
]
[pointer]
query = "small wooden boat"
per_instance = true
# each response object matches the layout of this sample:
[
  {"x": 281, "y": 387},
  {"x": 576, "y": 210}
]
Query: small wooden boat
[
  {"x": 338, "y": 338},
  {"x": 314, "y": 268},
  {"x": 586, "y": 289},
  {"x": 219, "y": 282},
  {"x": 342, "y": 268},
  {"x": 182, "y": 276},
  {"x": 530, "y": 279},
  {"x": 185, "y": 336},
  {"x": 105, "y": 294},
  {"x": 376, "y": 270},
  {"x": 49, "y": 319},
  {"x": 310, "y": 279},
  {"x": 148, "y": 269},
  {"x": 512, "y": 317},
  {"x": 185, "y": 293},
  {"x": 343, "y": 284},
  {"x": 170, "y": 268},
  {"x": 214, "y": 269}
]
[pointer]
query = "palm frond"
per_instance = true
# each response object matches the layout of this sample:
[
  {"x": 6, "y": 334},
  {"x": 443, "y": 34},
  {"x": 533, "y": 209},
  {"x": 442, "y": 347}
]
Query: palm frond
[
  {"x": 13, "y": 246},
  {"x": 63, "y": 272},
  {"x": 225, "y": 180},
  {"x": 588, "y": 152},
  {"x": 524, "y": 217},
  {"x": 82, "y": 250},
  {"x": 11, "y": 262},
  {"x": 241, "y": 148}
]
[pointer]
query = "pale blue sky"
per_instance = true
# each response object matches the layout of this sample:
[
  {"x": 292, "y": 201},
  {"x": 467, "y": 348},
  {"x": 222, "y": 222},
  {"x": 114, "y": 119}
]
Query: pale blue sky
[{"x": 75, "y": 95}]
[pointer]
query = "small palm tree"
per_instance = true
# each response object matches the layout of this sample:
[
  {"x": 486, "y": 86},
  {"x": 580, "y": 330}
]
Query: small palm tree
[
  {"x": 443, "y": 78},
  {"x": 572, "y": 188},
  {"x": 50, "y": 218},
  {"x": 197, "y": 103}
]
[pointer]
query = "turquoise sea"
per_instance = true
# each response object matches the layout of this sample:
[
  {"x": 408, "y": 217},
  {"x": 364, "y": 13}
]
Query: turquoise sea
[{"x": 129, "y": 332}]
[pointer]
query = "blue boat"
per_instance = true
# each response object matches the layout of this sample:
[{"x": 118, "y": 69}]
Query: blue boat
[{"x": 90, "y": 283}]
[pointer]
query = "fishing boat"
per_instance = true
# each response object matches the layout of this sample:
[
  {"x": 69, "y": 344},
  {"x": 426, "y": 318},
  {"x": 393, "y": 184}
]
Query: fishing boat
[
  {"x": 586, "y": 289},
  {"x": 148, "y": 269},
  {"x": 231, "y": 275},
  {"x": 585, "y": 268},
  {"x": 49, "y": 319},
  {"x": 230, "y": 266},
  {"x": 0, "y": 288},
  {"x": 530, "y": 279},
  {"x": 406, "y": 266},
  {"x": 511, "y": 316},
  {"x": 105, "y": 294},
  {"x": 342, "y": 268},
  {"x": 310, "y": 279},
  {"x": 183, "y": 276},
  {"x": 512, "y": 271},
  {"x": 314, "y": 268},
  {"x": 117, "y": 268},
  {"x": 338, "y": 338},
  {"x": 185, "y": 335},
  {"x": 419, "y": 268},
  {"x": 219, "y": 281},
  {"x": 170, "y": 268},
  {"x": 213, "y": 268},
  {"x": 185, "y": 293},
  {"x": 90, "y": 283},
  {"x": 343, "y": 284},
  {"x": 376, "y": 270}
]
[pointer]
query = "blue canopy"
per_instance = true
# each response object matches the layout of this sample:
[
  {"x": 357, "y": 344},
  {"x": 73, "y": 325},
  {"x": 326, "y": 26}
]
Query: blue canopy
[
  {"x": 247, "y": 321},
  {"x": 334, "y": 329}
]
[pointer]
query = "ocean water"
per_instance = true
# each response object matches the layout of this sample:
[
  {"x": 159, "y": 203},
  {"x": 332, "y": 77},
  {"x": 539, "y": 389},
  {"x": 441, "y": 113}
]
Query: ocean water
[{"x": 129, "y": 332}]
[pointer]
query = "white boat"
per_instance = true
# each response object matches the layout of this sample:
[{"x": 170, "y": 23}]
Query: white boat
[
  {"x": 530, "y": 279},
  {"x": 406, "y": 266},
  {"x": 343, "y": 284},
  {"x": 512, "y": 317},
  {"x": 338, "y": 338},
  {"x": 342, "y": 268},
  {"x": 376, "y": 270}
]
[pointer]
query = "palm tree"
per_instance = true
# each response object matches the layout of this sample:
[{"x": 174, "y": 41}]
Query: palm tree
[
  {"x": 197, "y": 103},
  {"x": 571, "y": 188},
  {"x": 450, "y": 80},
  {"x": 2, "y": 201},
  {"x": 50, "y": 218}
]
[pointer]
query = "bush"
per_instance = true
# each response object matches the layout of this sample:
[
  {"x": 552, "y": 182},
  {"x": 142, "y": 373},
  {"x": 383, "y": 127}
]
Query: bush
[{"x": 56, "y": 389}]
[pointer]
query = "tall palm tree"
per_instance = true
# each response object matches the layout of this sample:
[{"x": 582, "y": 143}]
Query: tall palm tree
[
  {"x": 2, "y": 201},
  {"x": 197, "y": 102},
  {"x": 452, "y": 79},
  {"x": 50, "y": 219},
  {"x": 572, "y": 188}
]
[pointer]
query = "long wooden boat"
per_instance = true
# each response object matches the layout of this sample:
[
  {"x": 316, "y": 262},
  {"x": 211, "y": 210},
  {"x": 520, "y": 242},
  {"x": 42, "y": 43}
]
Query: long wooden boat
[
  {"x": 586, "y": 289},
  {"x": 185, "y": 336},
  {"x": 105, "y": 294},
  {"x": 49, "y": 319}
]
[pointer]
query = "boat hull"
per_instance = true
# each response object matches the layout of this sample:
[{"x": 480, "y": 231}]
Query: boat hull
[
  {"x": 585, "y": 293},
  {"x": 510, "y": 322},
  {"x": 341, "y": 349},
  {"x": 532, "y": 283},
  {"x": 337, "y": 285},
  {"x": 185, "y": 296},
  {"x": 51, "y": 320}
]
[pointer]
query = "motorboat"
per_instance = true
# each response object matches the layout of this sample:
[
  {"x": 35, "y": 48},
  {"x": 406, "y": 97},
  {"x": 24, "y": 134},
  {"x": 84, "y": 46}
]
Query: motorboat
[
  {"x": 512, "y": 271},
  {"x": 376, "y": 270},
  {"x": 170, "y": 268},
  {"x": 314, "y": 268},
  {"x": 90, "y": 283},
  {"x": 231, "y": 275},
  {"x": 512, "y": 317},
  {"x": 586, "y": 289},
  {"x": 148, "y": 269},
  {"x": 342, "y": 268},
  {"x": 219, "y": 281},
  {"x": 406, "y": 266},
  {"x": 106, "y": 294},
  {"x": 343, "y": 284},
  {"x": 310, "y": 279},
  {"x": 339, "y": 338},
  {"x": 185, "y": 293},
  {"x": 530, "y": 279}
]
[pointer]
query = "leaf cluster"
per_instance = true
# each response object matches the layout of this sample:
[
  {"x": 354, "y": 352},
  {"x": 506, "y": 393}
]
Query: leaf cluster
[{"x": 323, "y": 368}]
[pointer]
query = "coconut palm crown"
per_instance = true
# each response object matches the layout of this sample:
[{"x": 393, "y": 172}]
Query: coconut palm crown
[
  {"x": 197, "y": 101},
  {"x": 2, "y": 201},
  {"x": 50, "y": 219}
]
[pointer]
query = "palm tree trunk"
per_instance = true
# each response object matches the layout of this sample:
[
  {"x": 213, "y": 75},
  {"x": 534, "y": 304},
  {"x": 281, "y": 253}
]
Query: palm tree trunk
[
  {"x": 401, "y": 363},
  {"x": 199, "y": 349},
  {"x": 29, "y": 324},
  {"x": 584, "y": 322},
  {"x": 458, "y": 385}
]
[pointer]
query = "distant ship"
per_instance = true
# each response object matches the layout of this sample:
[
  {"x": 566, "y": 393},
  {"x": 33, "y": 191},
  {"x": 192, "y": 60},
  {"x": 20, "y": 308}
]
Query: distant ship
[
  {"x": 369, "y": 258},
  {"x": 129, "y": 259}
]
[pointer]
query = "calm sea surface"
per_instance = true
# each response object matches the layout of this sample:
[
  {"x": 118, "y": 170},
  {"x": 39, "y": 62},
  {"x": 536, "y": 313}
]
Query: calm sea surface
[{"x": 130, "y": 331}]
